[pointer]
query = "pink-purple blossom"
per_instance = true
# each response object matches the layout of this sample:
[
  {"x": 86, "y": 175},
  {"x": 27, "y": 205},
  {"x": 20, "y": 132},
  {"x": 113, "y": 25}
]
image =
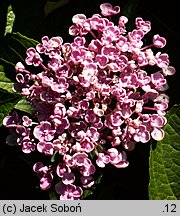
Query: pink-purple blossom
[
  {"x": 93, "y": 99},
  {"x": 44, "y": 132},
  {"x": 33, "y": 57},
  {"x": 11, "y": 121},
  {"x": 107, "y": 9},
  {"x": 44, "y": 175},
  {"x": 68, "y": 192}
]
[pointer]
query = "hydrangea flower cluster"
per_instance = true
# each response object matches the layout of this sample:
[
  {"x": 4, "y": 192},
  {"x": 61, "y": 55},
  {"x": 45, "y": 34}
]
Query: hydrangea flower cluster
[{"x": 95, "y": 98}]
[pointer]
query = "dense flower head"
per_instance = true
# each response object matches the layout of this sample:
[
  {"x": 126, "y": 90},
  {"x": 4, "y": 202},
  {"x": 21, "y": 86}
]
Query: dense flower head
[{"x": 94, "y": 99}]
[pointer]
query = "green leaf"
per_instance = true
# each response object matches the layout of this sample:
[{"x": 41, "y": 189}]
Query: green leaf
[
  {"x": 26, "y": 42},
  {"x": 86, "y": 193},
  {"x": 5, "y": 83},
  {"x": 13, "y": 48},
  {"x": 24, "y": 106},
  {"x": 4, "y": 4},
  {"x": 7, "y": 102},
  {"x": 10, "y": 20},
  {"x": 165, "y": 161},
  {"x": 53, "y": 158},
  {"x": 97, "y": 180}
]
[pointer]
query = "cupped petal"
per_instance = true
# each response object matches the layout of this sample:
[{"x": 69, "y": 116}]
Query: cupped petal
[
  {"x": 157, "y": 134},
  {"x": 77, "y": 192},
  {"x": 68, "y": 178},
  {"x": 45, "y": 184}
]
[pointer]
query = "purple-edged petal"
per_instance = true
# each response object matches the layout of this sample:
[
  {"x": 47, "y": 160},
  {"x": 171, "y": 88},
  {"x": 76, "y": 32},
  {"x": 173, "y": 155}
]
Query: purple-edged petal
[
  {"x": 68, "y": 178},
  {"x": 77, "y": 192},
  {"x": 157, "y": 134}
]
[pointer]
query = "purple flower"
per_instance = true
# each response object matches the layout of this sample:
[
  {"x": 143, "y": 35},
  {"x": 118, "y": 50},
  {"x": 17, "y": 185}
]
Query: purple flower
[
  {"x": 22, "y": 130},
  {"x": 28, "y": 145},
  {"x": 11, "y": 121},
  {"x": 123, "y": 44},
  {"x": 33, "y": 58},
  {"x": 161, "y": 107},
  {"x": 19, "y": 67},
  {"x": 108, "y": 10},
  {"x": 44, "y": 175},
  {"x": 74, "y": 30},
  {"x": 60, "y": 146},
  {"x": 162, "y": 60},
  {"x": 79, "y": 42},
  {"x": 159, "y": 81},
  {"x": 76, "y": 129},
  {"x": 157, "y": 120},
  {"x": 47, "y": 82},
  {"x": 136, "y": 35},
  {"x": 74, "y": 112},
  {"x": 60, "y": 86},
  {"x": 87, "y": 181},
  {"x": 86, "y": 145},
  {"x": 77, "y": 56},
  {"x": 113, "y": 32},
  {"x": 102, "y": 61},
  {"x": 116, "y": 141},
  {"x": 40, "y": 168},
  {"x": 125, "y": 108},
  {"x": 51, "y": 46},
  {"x": 169, "y": 71},
  {"x": 93, "y": 119},
  {"x": 79, "y": 19},
  {"x": 158, "y": 41},
  {"x": 110, "y": 51},
  {"x": 143, "y": 78},
  {"x": 80, "y": 158},
  {"x": 27, "y": 122},
  {"x": 45, "y": 147},
  {"x": 88, "y": 168},
  {"x": 95, "y": 46},
  {"x": 98, "y": 23},
  {"x": 114, "y": 155},
  {"x": 116, "y": 119},
  {"x": 93, "y": 134},
  {"x": 55, "y": 64},
  {"x": 68, "y": 192},
  {"x": 157, "y": 134},
  {"x": 118, "y": 159},
  {"x": 93, "y": 100},
  {"x": 145, "y": 26},
  {"x": 141, "y": 134},
  {"x": 45, "y": 182},
  {"x": 43, "y": 132},
  {"x": 60, "y": 110},
  {"x": 60, "y": 123},
  {"x": 102, "y": 160},
  {"x": 84, "y": 104},
  {"x": 122, "y": 21},
  {"x": 65, "y": 173}
]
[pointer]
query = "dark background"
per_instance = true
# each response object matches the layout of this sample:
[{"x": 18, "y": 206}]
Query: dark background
[{"x": 18, "y": 181}]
